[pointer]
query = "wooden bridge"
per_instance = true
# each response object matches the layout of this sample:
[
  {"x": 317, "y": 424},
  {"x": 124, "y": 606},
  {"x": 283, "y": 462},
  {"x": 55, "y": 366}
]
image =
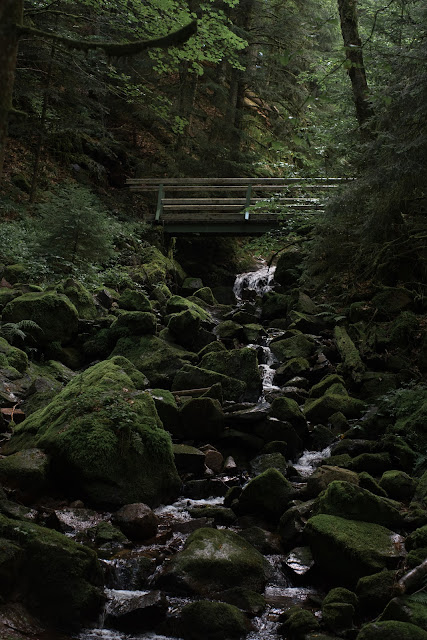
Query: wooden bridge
[{"x": 225, "y": 205}]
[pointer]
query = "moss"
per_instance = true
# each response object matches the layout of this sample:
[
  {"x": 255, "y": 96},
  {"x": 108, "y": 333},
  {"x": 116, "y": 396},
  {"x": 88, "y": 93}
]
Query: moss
[
  {"x": 274, "y": 306},
  {"x": 239, "y": 363},
  {"x": 298, "y": 346},
  {"x": 375, "y": 463},
  {"x": 366, "y": 481},
  {"x": 190, "y": 377},
  {"x": 212, "y": 347},
  {"x": 136, "y": 323},
  {"x": 412, "y": 420},
  {"x": 324, "y": 475},
  {"x": 81, "y": 299},
  {"x": 213, "y": 621},
  {"x": 350, "y": 501},
  {"x": 391, "y": 630},
  {"x": 6, "y": 295},
  {"x": 184, "y": 326},
  {"x": 105, "y": 532},
  {"x": 202, "y": 419},
  {"x": 11, "y": 357},
  {"x": 406, "y": 609},
  {"x": 15, "y": 273},
  {"x": 340, "y": 594},
  {"x": 157, "y": 268},
  {"x": 60, "y": 579},
  {"x": 157, "y": 359},
  {"x": 213, "y": 560},
  {"x": 338, "y": 616},
  {"x": 346, "y": 550},
  {"x": 320, "y": 409},
  {"x": 299, "y": 622},
  {"x": 417, "y": 539},
  {"x": 229, "y": 330},
  {"x": 133, "y": 300},
  {"x": 105, "y": 438},
  {"x": 53, "y": 312},
  {"x": 267, "y": 495},
  {"x": 293, "y": 367},
  {"x": 167, "y": 410}
]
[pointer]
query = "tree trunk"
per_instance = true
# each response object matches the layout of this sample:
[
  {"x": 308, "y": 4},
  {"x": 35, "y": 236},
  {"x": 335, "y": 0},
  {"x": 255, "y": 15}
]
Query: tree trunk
[
  {"x": 11, "y": 14},
  {"x": 354, "y": 54}
]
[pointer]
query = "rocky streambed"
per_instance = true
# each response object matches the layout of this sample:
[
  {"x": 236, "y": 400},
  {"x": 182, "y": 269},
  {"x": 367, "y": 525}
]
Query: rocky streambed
[{"x": 221, "y": 472}]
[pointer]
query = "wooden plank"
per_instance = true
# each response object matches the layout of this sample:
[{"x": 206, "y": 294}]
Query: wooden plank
[
  {"x": 232, "y": 181},
  {"x": 225, "y": 188},
  {"x": 221, "y": 208},
  {"x": 235, "y": 201}
]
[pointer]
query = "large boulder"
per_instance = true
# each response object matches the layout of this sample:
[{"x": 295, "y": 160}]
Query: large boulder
[
  {"x": 347, "y": 500},
  {"x": 213, "y": 560},
  {"x": 59, "y": 580},
  {"x": 326, "y": 474},
  {"x": 81, "y": 298},
  {"x": 26, "y": 470},
  {"x": 391, "y": 630},
  {"x": 134, "y": 323},
  {"x": 13, "y": 361},
  {"x": 55, "y": 314},
  {"x": 137, "y": 521},
  {"x": 104, "y": 437},
  {"x": 155, "y": 357},
  {"x": 239, "y": 363},
  {"x": 321, "y": 409},
  {"x": 298, "y": 346},
  {"x": 347, "y": 550},
  {"x": 212, "y": 621},
  {"x": 202, "y": 419}
]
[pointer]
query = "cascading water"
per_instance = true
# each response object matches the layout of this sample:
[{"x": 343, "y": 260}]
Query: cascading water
[{"x": 125, "y": 577}]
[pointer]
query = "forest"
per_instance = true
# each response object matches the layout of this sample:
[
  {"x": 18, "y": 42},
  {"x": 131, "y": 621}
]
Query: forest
[{"x": 215, "y": 431}]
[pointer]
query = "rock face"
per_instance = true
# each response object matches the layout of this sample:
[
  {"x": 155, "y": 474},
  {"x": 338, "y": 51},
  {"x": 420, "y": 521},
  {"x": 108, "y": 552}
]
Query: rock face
[
  {"x": 239, "y": 363},
  {"x": 347, "y": 550},
  {"x": 62, "y": 580},
  {"x": 213, "y": 560},
  {"x": 137, "y": 521},
  {"x": 104, "y": 438},
  {"x": 53, "y": 312}
]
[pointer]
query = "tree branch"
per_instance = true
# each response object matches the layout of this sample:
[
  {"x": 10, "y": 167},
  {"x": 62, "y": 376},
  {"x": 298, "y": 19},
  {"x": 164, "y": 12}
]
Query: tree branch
[{"x": 114, "y": 49}]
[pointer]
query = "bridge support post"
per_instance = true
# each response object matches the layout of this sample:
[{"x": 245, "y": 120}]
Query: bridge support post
[
  {"x": 248, "y": 201},
  {"x": 160, "y": 196}
]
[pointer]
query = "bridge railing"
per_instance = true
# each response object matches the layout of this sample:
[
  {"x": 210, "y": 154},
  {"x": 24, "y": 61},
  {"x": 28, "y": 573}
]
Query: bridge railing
[{"x": 221, "y": 200}]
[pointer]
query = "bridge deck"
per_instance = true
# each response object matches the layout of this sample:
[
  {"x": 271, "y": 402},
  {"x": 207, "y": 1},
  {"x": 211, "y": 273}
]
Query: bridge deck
[{"x": 232, "y": 206}]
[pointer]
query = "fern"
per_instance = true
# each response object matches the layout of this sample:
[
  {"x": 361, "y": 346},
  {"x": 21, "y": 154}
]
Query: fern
[
  {"x": 12, "y": 331},
  {"x": 420, "y": 597}
]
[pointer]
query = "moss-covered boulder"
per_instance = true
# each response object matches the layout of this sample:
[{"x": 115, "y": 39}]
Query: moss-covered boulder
[
  {"x": 290, "y": 369},
  {"x": 167, "y": 410},
  {"x": 347, "y": 500},
  {"x": 184, "y": 326},
  {"x": 134, "y": 300},
  {"x": 135, "y": 323},
  {"x": 53, "y": 312},
  {"x": 213, "y": 621},
  {"x": 189, "y": 459},
  {"x": 6, "y": 295},
  {"x": 81, "y": 298},
  {"x": 205, "y": 294},
  {"x": 190, "y": 377},
  {"x": 322, "y": 387},
  {"x": 239, "y": 363},
  {"x": 297, "y": 623},
  {"x": 253, "y": 332},
  {"x": 213, "y": 560},
  {"x": 105, "y": 438},
  {"x": 26, "y": 470},
  {"x": 156, "y": 268},
  {"x": 288, "y": 267},
  {"x": 155, "y": 357},
  {"x": 266, "y": 495},
  {"x": 298, "y": 346},
  {"x": 338, "y": 609},
  {"x": 375, "y": 590},
  {"x": 288, "y": 410},
  {"x": 12, "y": 360},
  {"x": 391, "y": 630},
  {"x": 417, "y": 539},
  {"x": 324, "y": 475},
  {"x": 352, "y": 365},
  {"x": 347, "y": 550},
  {"x": 274, "y": 306},
  {"x": 176, "y": 304},
  {"x": 398, "y": 485},
  {"x": 202, "y": 419},
  {"x": 320, "y": 409},
  {"x": 228, "y": 330},
  {"x": 59, "y": 580},
  {"x": 406, "y": 609}
]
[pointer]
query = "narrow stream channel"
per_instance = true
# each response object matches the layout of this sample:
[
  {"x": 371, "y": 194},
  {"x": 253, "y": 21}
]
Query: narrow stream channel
[{"x": 130, "y": 574}]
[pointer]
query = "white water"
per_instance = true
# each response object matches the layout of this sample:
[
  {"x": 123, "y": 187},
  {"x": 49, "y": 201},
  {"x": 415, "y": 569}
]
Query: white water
[
  {"x": 259, "y": 281},
  {"x": 309, "y": 460}
]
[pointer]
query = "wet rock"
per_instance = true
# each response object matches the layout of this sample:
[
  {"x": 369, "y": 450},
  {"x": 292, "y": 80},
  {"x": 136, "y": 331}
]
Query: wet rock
[
  {"x": 273, "y": 429},
  {"x": 137, "y": 521},
  {"x": 16, "y": 622},
  {"x": 320, "y": 409},
  {"x": 276, "y": 446},
  {"x": 220, "y": 515},
  {"x": 189, "y": 459},
  {"x": 287, "y": 410},
  {"x": 391, "y": 630},
  {"x": 321, "y": 437},
  {"x": 134, "y": 611},
  {"x": 264, "y": 541},
  {"x": 213, "y": 621},
  {"x": 266, "y": 495},
  {"x": 326, "y": 474},
  {"x": 213, "y": 560},
  {"x": 202, "y": 489},
  {"x": 291, "y": 368},
  {"x": 296, "y": 623},
  {"x": 251, "y": 602},
  {"x": 293, "y": 521},
  {"x": 398, "y": 485},
  {"x": 347, "y": 500},
  {"x": 299, "y": 561},
  {"x": 202, "y": 419},
  {"x": 129, "y": 569},
  {"x": 230, "y": 464},
  {"x": 73, "y": 520},
  {"x": 347, "y": 550}
]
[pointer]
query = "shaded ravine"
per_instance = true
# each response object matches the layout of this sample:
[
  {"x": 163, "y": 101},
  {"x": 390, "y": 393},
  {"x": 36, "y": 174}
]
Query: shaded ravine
[{"x": 133, "y": 573}]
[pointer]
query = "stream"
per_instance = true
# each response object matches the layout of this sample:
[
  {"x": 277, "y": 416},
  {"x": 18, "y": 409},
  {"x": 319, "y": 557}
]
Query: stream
[{"x": 131, "y": 573}]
